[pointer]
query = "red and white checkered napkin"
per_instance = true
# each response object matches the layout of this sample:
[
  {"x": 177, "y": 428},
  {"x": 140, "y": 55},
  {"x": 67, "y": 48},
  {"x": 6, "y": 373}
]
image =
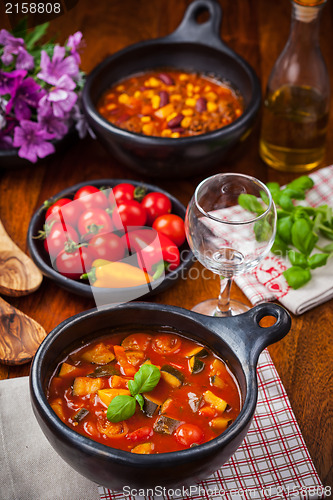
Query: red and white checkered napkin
[
  {"x": 271, "y": 463},
  {"x": 266, "y": 282}
]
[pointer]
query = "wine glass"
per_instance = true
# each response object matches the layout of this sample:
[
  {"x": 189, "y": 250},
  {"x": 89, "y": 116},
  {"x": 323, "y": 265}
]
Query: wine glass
[{"x": 230, "y": 226}]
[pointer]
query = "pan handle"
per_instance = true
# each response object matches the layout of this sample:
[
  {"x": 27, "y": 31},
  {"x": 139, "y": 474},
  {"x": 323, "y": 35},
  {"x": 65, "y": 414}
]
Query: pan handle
[{"x": 208, "y": 32}]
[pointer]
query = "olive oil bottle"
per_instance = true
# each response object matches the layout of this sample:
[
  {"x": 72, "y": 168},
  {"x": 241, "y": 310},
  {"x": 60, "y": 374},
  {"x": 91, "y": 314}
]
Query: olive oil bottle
[{"x": 296, "y": 105}]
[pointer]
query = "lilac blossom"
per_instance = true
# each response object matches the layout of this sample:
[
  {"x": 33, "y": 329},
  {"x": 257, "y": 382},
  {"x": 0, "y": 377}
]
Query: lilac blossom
[
  {"x": 24, "y": 97},
  {"x": 10, "y": 81},
  {"x": 15, "y": 47},
  {"x": 52, "y": 71},
  {"x": 61, "y": 97},
  {"x": 74, "y": 43},
  {"x": 53, "y": 125},
  {"x": 31, "y": 140}
]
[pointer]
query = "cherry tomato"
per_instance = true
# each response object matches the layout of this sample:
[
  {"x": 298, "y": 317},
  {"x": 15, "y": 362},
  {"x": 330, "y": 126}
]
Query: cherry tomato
[
  {"x": 74, "y": 263},
  {"x": 107, "y": 246},
  {"x": 122, "y": 192},
  {"x": 141, "y": 434},
  {"x": 59, "y": 235},
  {"x": 136, "y": 342},
  {"x": 156, "y": 204},
  {"x": 64, "y": 210},
  {"x": 166, "y": 344},
  {"x": 130, "y": 213},
  {"x": 188, "y": 434},
  {"x": 92, "y": 197},
  {"x": 172, "y": 226},
  {"x": 94, "y": 221}
]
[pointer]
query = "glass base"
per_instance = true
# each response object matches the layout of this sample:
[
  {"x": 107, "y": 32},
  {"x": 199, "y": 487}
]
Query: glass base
[{"x": 210, "y": 308}]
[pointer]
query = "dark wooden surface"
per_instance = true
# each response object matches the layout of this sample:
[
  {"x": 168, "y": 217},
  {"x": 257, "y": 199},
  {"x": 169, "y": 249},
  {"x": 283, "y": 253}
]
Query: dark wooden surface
[{"x": 256, "y": 29}]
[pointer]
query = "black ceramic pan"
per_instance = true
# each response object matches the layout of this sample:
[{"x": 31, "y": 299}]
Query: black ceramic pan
[
  {"x": 195, "y": 47},
  {"x": 239, "y": 340}
]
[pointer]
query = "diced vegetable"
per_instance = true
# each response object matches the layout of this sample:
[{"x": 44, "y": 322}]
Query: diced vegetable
[
  {"x": 99, "y": 354},
  {"x": 143, "y": 449},
  {"x": 66, "y": 369},
  {"x": 150, "y": 406},
  {"x": 112, "y": 430},
  {"x": 57, "y": 407},
  {"x": 119, "y": 382},
  {"x": 199, "y": 352},
  {"x": 85, "y": 385},
  {"x": 166, "y": 405},
  {"x": 196, "y": 365},
  {"x": 220, "y": 423},
  {"x": 107, "y": 395},
  {"x": 172, "y": 376},
  {"x": 141, "y": 434},
  {"x": 126, "y": 367},
  {"x": 207, "y": 411},
  {"x": 135, "y": 357},
  {"x": 80, "y": 415},
  {"x": 136, "y": 342},
  {"x": 104, "y": 371},
  {"x": 217, "y": 367},
  {"x": 166, "y": 425},
  {"x": 194, "y": 401},
  {"x": 218, "y": 403},
  {"x": 216, "y": 381}
]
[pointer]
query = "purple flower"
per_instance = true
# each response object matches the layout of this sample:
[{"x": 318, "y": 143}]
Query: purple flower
[
  {"x": 15, "y": 47},
  {"x": 52, "y": 71},
  {"x": 52, "y": 125},
  {"x": 26, "y": 95},
  {"x": 10, "y": 81},
  {"x": 74, "y": 43},
  {"x": 32, "y": 141},
  {"x": 61, "y": 97}
]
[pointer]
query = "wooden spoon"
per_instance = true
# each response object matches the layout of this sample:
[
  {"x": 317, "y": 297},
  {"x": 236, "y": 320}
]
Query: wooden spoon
[
  {"x": 20, "y": 336},
  {"x": 18, "y": 273}
]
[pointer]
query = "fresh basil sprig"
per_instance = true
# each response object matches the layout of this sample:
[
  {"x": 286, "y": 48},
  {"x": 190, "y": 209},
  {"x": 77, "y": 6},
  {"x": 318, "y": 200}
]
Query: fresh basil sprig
[
  {"x": 298, "y": 228},
  {"x": 123, "y": 407}
]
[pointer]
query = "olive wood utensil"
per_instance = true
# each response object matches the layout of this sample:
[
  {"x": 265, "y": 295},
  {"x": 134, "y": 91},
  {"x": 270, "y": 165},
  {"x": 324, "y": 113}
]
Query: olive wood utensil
[
  {"x": 20, "y": 335},
  {"x": 18, "y": 273}
]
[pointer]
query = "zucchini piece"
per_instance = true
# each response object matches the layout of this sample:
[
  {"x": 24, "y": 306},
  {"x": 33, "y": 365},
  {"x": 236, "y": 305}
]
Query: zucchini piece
[
  {"x": 217, "y": 367},
  {"x": 196, "y": 365},
  {"x": 99, "y": 354},
  {"x": 107, "y": 395},
  {"x": 216, "y": 381},
  {"x": 135, "y": 357},
  {"x": 104, "y": 371},
  {"x": 172, "y": 376},
  {"x": 150, "y": 406},
  {"x": 198, "y": 351},
  {"x": 218, "y": 403},
  {"x": 165, "y": 405},
  {"x": 166, "y": 425},
  {"x": 83, "y": 386},
  {"x": 220, "y": 423},
  {"x": 80, "y": 415},
  {"x": 143, "y": 449}
]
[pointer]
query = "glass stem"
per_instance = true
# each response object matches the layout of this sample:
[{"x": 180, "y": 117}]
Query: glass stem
[{"x": 223, "y": 302}]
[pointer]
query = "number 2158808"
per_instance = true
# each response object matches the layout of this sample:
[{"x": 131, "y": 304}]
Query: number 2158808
[{"x": 33, "y": 8}]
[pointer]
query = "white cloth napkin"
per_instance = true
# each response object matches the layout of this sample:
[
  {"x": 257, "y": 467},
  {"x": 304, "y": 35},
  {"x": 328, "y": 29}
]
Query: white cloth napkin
[
  {"x": 266, "y": 282},
  {"x": 29, "y": 467}
]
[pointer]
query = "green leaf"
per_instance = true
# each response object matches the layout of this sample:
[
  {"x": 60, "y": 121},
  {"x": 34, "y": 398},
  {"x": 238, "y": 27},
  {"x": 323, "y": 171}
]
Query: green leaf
[
  {"x": 263, "y": 230},
  {"x": 295, "y": 194},
  {"x": 121, "y": 408},
  {"x": 275, "y": 190},
  {"x": 301, "y": 183},
  {"x": 140, "y": 400},
  {"x": 284, "y": 227},
  {"x": 297, "y": 276},
  {"x": 145, "y": 379},
  {"x": 279, "y": 246},
  {"x": 286, "y": 203},
  {"x": 302, "y": 236},
  {"x": 35, "y": 35},
  {"x": 298, "y": 259},
  {"x": 251, "y": 203},
  {"x": 318, "y": 260},
  {"x": 328, "y": 248}
]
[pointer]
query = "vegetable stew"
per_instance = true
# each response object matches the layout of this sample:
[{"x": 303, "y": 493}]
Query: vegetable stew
[
  {"x": 171, "y": 104},
  {"x": 145, "y": 393}
]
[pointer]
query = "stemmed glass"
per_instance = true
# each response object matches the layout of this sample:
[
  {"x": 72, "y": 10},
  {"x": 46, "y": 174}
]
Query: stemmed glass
[{"x": 230, "y": 226}]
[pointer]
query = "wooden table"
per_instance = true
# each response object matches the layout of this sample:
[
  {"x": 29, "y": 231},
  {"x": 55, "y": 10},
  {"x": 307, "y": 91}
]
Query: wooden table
[{"x": 256, "y": 29}]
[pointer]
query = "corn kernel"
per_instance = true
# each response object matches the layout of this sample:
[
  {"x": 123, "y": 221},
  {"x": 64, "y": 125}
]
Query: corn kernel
[
  {"x": 153, "y": 82},
  {"x": 149, "y": 93},
  {"x": 183, "y": 77},
  {"x": 164, "y": 111},
  {"x": 187, "y": 112},
  {"x": 175, "y": 97},
  {"x": 189, "y": 87},
  {"x": 171, "y": 116},
  {"x": 166, "y": 133},
  {"x": 147, "y": 128},
  {"x": 207, "y": 88},
  {"x": 155, "y": 101},
  {"x": 111, "y": 106},
  {"x": 175, "y": 135},
  {"x": 120, "y": 88},
  {"x": 211, "y": 96},
  {"x": 186, "y": 122},
  {"x": 190, "y": 102},
  {"x": 123, "y": 98},
  {"x": 211, "y": 107},
  {"x": 197, "y": 88},
  {"x": 137, "y": 94},
  {"x": 238, "y": 112},
  {"x": 145, "y": 119}
]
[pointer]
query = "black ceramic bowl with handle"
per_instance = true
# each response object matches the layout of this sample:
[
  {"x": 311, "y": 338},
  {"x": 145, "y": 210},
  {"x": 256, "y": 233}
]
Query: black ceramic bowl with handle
[
  {"x": 239, "y": 340},
  {"x": 104, "y": 295},
  {"x": 195, "y": 47}
]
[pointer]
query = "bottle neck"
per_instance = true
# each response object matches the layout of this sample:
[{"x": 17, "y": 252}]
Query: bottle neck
[{"x": 305, "y": 22}]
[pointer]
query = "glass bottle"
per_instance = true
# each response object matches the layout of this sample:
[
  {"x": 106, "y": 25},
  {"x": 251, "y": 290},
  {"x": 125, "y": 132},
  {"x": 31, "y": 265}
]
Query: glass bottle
[{"x": 296, "y": 106}]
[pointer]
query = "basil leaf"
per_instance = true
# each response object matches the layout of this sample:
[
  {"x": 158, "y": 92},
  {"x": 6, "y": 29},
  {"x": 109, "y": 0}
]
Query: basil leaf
[
  {"x": 121, "y": 408},
  {"x": 328, "y": 248},
  {"x": 297, "y": 276},
  {"x": 145, "y": 379},
  {"x": 283, "y": 228},
  {"x": 250, "y": 203},
  {"x": 318, "y": 260},
  {"x": 295, "y": 194},
  {"x": 263, "y": 230},
  {"x": 286, "y": 203},
  {"x": 302, "y": 183},
  {"x": 275, "y": 190},
  {"x": 298, "y": 259},
  {"x": 303, "y": 238},
  {"x": 279, "y": 246},
  {"x": 140, "y": 400}
]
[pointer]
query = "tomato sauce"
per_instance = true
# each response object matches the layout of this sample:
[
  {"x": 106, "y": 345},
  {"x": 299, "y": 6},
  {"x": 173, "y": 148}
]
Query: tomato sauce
[
  {"x": 171, "y": 104},
  {"x": 196, "y": 398}
]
